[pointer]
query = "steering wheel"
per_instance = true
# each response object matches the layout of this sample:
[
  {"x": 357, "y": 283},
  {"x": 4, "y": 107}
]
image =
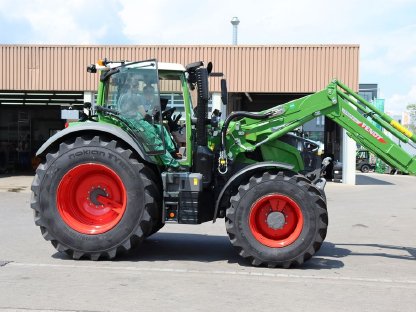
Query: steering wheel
[
  {"x": 173, "y": 121},
  {"x": 167, "y": 114},
  {"x": 174, "y": 124}
]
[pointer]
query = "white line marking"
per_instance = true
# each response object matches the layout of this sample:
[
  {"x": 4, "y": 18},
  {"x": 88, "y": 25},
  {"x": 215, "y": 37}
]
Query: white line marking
[{"x": 216, "y": 272}]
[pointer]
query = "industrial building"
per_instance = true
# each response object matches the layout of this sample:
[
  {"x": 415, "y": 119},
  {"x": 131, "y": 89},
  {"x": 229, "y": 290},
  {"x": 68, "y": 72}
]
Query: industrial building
[{"x": 38, "y": 81}]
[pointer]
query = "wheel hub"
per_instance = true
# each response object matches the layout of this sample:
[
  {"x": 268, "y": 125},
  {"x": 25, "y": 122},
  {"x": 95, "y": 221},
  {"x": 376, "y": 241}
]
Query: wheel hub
[
  {"x": 91, "y": 198},
  {"x": 94, "y": 193},
  {"x": 276, "y": 220}
]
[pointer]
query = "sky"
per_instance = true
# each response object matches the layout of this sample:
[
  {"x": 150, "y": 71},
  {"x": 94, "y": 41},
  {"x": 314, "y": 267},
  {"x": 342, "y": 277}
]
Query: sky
[{"x": 384, "y": 29}]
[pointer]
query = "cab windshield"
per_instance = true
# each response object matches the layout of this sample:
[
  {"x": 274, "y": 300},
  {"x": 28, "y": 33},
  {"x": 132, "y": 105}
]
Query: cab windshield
[{"x": 133, "y": 91}]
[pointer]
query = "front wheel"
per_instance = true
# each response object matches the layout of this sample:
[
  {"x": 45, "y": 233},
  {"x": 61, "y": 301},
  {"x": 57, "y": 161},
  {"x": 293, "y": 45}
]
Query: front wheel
[
  {"x": 365, "y": 168},
  {"x": 278, "y": 220}
]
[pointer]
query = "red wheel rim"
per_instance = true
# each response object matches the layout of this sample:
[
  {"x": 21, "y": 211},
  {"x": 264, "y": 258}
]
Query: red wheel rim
[
  {"x": 91, "y": 198},
  {"x": 276, "y": 220}
]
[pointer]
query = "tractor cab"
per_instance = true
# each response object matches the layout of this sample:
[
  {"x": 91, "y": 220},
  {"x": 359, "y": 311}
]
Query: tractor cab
[
  {"x": 364, "y": 161},
  {"x": 132, "y": 90},
  {"x": 149, "y": 95}
]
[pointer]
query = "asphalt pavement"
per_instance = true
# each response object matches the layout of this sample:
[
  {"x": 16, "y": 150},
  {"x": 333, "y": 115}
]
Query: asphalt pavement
[{"x": 367, "y": 263}]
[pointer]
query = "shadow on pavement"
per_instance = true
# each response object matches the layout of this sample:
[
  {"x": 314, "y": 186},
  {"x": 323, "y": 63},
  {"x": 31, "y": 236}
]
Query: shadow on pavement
[
  {"x": 366, "y": 180},
  {"x": 386, "y": 251},
  {"x": 321, "y": 260},
  {"x": 182, "y": 247},
  {"x": 209, "y": 248},
  {"x": 383, "y": 251}
]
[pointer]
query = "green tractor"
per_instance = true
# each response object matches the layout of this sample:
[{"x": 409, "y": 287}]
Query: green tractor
[
  {"x": 130, "y": 165},
  {"x": 363, "y": 161}
]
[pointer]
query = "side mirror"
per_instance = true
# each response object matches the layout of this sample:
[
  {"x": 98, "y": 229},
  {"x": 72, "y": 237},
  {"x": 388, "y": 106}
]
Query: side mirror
[
  {"x": 92, "y": 69},
  {"x": 209, "y": 68},
  {"x": 224, "y": 92}
]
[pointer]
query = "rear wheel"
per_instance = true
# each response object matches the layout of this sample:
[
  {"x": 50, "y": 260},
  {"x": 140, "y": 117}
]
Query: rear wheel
[
  {"x": 277, "y": 220},
  {"x": 93, "y": 199}
]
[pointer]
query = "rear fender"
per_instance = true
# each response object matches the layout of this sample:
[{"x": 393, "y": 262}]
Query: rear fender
[{"x": 95, "y": 128}]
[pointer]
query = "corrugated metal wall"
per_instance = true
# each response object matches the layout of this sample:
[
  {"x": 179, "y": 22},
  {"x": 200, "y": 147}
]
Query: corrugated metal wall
[{"x": 270, "y": 69}]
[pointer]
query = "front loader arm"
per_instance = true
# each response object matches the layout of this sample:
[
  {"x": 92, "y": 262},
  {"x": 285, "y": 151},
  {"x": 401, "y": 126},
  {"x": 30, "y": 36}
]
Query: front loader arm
[
  {"x": 358, "y": 117},
  {"x": 247, "y": 134},
  {"x": 338, "y": 103}
]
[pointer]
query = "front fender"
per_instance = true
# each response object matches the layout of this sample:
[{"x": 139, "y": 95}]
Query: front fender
[
  {"x": 248, "y": 171},
  {"x": 95, "y": 128}
]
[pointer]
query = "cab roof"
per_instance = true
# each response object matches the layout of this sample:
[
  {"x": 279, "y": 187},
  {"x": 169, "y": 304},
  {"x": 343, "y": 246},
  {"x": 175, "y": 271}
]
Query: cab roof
[{"x": 160, "y": 65}]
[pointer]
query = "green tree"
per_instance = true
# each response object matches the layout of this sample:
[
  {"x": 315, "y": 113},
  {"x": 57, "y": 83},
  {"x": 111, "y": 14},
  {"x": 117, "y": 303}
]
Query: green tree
[{"x": 411, "y": 108}]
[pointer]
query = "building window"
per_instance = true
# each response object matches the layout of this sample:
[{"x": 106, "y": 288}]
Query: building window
[
  {"x": 320, "y": 121},
  {"x": 367, "y": 95},
  {"x": 176, "y": 100}
]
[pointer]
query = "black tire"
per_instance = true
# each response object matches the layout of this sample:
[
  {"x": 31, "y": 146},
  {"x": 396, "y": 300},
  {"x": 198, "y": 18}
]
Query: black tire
[
  {"x": 323, "y": 195},
  {"x": 288, "y": 188},
  {"x": 365, "y": 168},
  {"x": 156, "y": 211},
  {"x": 139, "y": 202},
  {"x": 156, "y": 228}
]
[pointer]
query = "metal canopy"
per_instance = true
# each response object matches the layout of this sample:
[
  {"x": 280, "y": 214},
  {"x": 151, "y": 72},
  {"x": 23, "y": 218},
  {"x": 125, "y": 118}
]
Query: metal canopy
[{"x": 41, "y": 98}]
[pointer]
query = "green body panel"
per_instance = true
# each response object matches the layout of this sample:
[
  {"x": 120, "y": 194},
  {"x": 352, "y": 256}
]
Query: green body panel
[
  {"x": 277, "y": 151},
  {"x": 282, "y": 152}
]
